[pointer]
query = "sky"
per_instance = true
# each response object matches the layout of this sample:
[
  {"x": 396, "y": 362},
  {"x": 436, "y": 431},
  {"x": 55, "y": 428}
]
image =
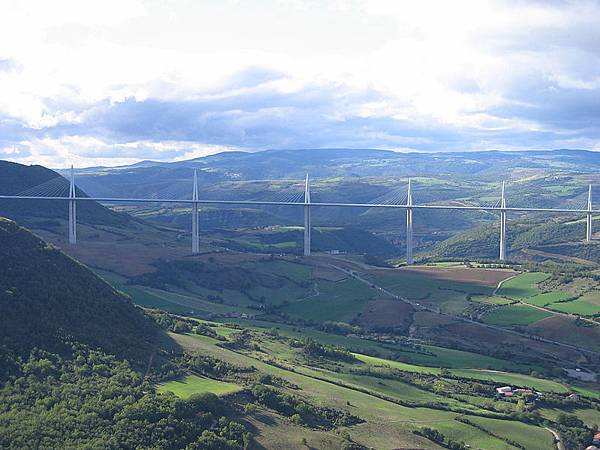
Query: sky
[{"x": 118, "y": 81}]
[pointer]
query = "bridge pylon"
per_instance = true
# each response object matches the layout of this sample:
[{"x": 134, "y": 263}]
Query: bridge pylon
[
  {"x": 307, "y": 224},
  {"x": 409, "y": 226},
  {"x": 195, "y": 224},
  {"x": 502, "y": 225},
  {"x": 588, "y": 231},
  {"x": 72, "y": 210}
]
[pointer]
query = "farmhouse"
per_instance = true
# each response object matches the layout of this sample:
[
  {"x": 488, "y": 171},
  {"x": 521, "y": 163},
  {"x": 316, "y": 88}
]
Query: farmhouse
[
  {"x": 504, "y": 390},
  {"x": 523, "y": 392}
]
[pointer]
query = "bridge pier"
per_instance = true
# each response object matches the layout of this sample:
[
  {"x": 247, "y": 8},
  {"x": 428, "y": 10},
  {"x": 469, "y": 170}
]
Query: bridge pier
[
  {"x": 503, "y": 226},
  {"x": 195, "y": 224},
  {"x": 72, "y": 210},
  {"x": 588, "y": 231},
  {"x": 409, "y": 227},
  {"x": 307, "y": 224}
]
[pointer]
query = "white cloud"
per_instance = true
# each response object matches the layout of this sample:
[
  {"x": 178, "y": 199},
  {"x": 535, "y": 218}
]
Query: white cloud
[
  {"x": 474, "y": 65},
  {"x": 90, "y": 151}
]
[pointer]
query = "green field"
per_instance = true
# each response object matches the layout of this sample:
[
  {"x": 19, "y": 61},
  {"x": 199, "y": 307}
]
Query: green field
[
  {"x": 491, "y": 300},
  {"x": 514, "y": 315},
  {"x": 449, "y": 296},
  {"x": 547, "y": 298},
  {"x": 523, "y": 285},
  {"x": 340, "y": 301},
  {"x": 527, "y": 435},
  {"x": 378, "y": 401},
  {"x": 579, "y": 306},
  {"x": 430, "y": 355},
  {"x": 193, "y": 384},
  {"x": 516, "y": 379},
  {"x": 586, "y": 305}
]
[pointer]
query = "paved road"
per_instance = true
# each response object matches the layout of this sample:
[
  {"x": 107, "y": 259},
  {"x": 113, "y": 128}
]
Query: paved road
[{"x": 421, "y": 307}]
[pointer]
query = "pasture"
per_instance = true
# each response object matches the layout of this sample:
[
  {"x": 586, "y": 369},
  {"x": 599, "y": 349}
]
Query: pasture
[
  {"x": 513, "y": 315},
  {"x": 523, "y": 285},
  {"x": 547, "y": 298},
  {"x": 516, "y": 379},
  {"x": 586, "y": 305},
  {"x": 193, "y": 384},
  {"x": 339, "y": 301},
  {"x": 380, "y": 402},
  {"x": 446, "y": 288}
]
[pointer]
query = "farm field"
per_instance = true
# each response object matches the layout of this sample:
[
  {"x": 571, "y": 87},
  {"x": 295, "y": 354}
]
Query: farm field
[
  {"x": 173, "y": 302},
  {"x": 586, "y": 305},
  {"x": 526, "y": 435},
  {"x": 569, "y": 330},
  {"x": 480, "y": 374},
  {"x": 523, "y": 285},
  {"x": 373, "y": 409},
  {"x": 446, "y": 288},
  {"x": 429, "y": 355},
  {"x": 512, "y": 315},
  {"x": 193, "y": 384},
  {"x": 494, "y": 300},
  {"x": 388, "y": 423},
  {"x": 546, "y": 299},
  {"x": 341, "y": 300}
]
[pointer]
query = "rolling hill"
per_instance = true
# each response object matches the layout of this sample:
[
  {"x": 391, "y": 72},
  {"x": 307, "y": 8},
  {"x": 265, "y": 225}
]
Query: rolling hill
[
  {"x": 48, "y": 299},
  {"x": 18, "y": 178}
]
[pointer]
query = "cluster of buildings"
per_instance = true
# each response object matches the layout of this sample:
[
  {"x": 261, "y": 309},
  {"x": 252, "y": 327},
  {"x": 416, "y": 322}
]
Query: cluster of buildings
[{"x": 508, "y": 391}]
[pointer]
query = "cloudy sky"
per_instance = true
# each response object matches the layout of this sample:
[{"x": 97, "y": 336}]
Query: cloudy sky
[{"x": 117, "y": 81}]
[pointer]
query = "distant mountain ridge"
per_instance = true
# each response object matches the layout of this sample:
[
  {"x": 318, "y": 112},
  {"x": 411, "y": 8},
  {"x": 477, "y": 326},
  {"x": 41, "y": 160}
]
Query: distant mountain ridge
[{"x": 327, "y": 163}]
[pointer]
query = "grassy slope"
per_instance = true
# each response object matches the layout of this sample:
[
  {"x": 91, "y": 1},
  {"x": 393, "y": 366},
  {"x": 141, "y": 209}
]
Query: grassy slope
[
  {"x": 523, "y": 285},
  {"x": 502, "y": 377},
  {"x": 433, "y": 356},
  {"x": 388, "y": 424},
  {"x": 193, "y": 384},
  {"x": 340, "y": 301}
]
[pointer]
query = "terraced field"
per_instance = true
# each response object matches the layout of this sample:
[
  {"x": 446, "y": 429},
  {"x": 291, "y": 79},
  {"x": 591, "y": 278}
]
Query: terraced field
[{"x": 359, "y": 387}]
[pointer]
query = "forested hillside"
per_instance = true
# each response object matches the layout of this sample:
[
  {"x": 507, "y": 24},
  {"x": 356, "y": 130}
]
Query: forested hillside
[
  {"x": 47, "y": 299},
  {"x": 69, "y": 348},
  {"x": 18, "y": 178}
]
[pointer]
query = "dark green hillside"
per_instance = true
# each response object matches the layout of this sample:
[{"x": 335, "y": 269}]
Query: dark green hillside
[
  {"x": 47, "y": 298},
  {"x": 214, "y": 276},
  {"x": 63, "y": 380},
  {"x": 562, "y": 236},
  {"x": 480, "y": 242},
  {"x": 17, "y": 178}
]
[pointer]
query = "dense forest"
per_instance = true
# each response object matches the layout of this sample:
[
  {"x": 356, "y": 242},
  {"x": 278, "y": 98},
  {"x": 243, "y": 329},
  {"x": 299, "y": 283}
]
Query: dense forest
[{"x": 72, "y": 358}]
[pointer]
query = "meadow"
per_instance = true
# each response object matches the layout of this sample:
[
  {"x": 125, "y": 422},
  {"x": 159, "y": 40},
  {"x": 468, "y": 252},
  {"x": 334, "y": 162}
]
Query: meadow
[
  {"x": 193, "y": 384},
  {"x": 523, "y": 286},
  {"x": 342, "y": 301},
  {"x": 513, "y": 315},
  {"x": 359, "y": 388}
]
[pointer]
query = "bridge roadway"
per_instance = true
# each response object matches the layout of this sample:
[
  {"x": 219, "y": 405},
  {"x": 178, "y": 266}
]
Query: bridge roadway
[{"x": 311, "y": 204}]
